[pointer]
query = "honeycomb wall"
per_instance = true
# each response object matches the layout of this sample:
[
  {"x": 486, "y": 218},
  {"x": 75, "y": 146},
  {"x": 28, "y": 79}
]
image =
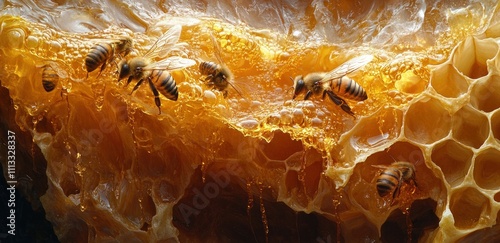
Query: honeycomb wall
[{"x": 211, "y": 168}]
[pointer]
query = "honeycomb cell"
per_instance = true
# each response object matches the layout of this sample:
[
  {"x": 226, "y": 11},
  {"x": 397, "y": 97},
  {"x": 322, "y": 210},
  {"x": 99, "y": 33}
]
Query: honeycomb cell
[
  {"x": 448, "y": 82},
  {"x": 487, "y": 168},
  {"x": 377, "y": 130},
  {"x": 362, "y": 187},
  {"x": 454, "y": 160},
  {"x": 497, "y": 197},
  {"x": 282, "y": 146},
  {"x": 198, "y": 216},
  {"x": 426, "y": 121},
  {"x": 470, "y": 127},
  {"x": 468, "y": 206},
  {"x": 471, "y": 55},
  {"x": 422, "y": 215},
  {"x": 485, "y": 94},
  {"x": 495, "y": 125}
]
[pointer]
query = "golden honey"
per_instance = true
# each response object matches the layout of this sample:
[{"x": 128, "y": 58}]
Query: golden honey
[{"x": 260, "y": 167}]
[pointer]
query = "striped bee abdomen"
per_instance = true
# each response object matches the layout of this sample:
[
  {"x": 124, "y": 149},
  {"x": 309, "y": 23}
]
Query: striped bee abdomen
[
  {"x": 208, "y": 68},
  {"x": 49, "y": 78},
  {"x": 97, "y": 56},
  {"x": 348, "y": 88},
  {"x": 388, "y": 181},
  {"x": 165, "y": 84}
]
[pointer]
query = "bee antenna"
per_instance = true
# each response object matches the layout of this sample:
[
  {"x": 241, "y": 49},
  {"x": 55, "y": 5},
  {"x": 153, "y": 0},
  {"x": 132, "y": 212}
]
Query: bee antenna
[{"x": 391, "y": 156}]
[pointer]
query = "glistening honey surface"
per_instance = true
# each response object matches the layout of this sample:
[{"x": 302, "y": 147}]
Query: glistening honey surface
[{"x": 260, "y": 166}]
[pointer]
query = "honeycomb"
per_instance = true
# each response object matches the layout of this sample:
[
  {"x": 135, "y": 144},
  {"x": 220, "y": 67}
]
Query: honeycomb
[{"x": 259, "y": 167}]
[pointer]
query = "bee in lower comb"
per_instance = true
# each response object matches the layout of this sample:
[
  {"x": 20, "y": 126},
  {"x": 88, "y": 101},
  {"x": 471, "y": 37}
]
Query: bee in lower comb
[
  {"x": 156, "y": 73},
  {"x": 218, "y": 75},
  {"x": 393, "y": 176},
  {"x": 335, "y": 83},
  {"x": 51, "y": 73},
  {"x": 105, "y": 52},
  {"x": 50, "y": 78}
]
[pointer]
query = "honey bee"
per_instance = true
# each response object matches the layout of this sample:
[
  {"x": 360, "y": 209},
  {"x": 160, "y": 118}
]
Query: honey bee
[
  {"x": 218, "y": 75},
  {"x": 50, "y": 78},
  {"x": 393, "y": 176},
  {"x": 156, "y": 73},
  {"x": 334, "y": 83},
  {"x": 102, "y": 53},
  {"x": 51, "y": 73}
]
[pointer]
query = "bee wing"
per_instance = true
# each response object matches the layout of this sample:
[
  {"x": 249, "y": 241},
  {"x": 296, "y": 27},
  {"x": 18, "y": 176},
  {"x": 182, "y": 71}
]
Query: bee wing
[
  {"x": 107, "y": 40},
  {"x": 380, "y": 166},
  {"x": 171, "y": 63},
  {"x": 217, "y": 49},
  {"x": 348, "y": 67},
  {"x": 55, "y": 66},
  {"x": 164, "y": 44}
]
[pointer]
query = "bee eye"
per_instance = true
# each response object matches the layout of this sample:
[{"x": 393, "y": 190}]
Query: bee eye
[
  {"x": 299, "y": 85},
  {"x": 124, "y": 70}
]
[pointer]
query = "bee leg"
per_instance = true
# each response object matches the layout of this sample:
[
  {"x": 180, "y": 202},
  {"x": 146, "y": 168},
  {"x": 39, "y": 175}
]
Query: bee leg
[
  {"x": 397, "y": 191},
  {"x": 128, "y": 80},
  {"x": 103, "y": 66},
  {"x": 137, "y": 85},
  {"x": 308, "y": 95},
  {"x": 414, "y": 181},
  {"x": 157, "y": 96},
  {"x": 340, "y": 102}
]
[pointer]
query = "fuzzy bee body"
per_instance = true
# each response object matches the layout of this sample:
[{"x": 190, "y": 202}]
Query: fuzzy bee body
[
  {"x": 143, "y": 68},
  {"x": 393, "y": 176},
  {"x": 335, "y": 84},
  {"x": 208, "y": 68},
  {"x": 348, "y": 88},
  {"x": 218, "y": 76},
  {"x": 165, "y": 84},
  {"x": 101, "y": 53},
  {"x": 50, "y": 78}
]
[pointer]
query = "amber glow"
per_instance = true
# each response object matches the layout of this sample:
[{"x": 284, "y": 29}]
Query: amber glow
[{"x": 260, "y": 166}]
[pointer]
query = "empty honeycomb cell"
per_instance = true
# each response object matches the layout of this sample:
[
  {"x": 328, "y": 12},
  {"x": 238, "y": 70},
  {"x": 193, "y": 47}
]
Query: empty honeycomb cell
[
  {"x": 198, "y": 216},
  {"x": 471, "y": 55},
  {"x": 426, "y": 121},
  {"x": 423, "y": 218},
  {"x": 470, "y": 127},
  {"x": 355, "y": 228},
  {"x": 454, "y": 160},
  {"x": 497, "y": 197},
  {"x": 313, "y": 172},
  {"x": 495, "y": 125},
  {"x": 448, "y": 82},
  {"x": 377, "y": 130},
  {"x": 410, "y": 83},
  {"x": 487, "y": 168},
  {"x": 282, "y": 146},
  {"x": 485, "y": 94},
  {"x": 468, "y": 206}
]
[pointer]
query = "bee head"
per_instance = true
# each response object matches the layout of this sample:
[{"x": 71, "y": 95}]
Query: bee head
[
  {"x": 298, "y": 85},
  {"x": 124, "y": 68}
]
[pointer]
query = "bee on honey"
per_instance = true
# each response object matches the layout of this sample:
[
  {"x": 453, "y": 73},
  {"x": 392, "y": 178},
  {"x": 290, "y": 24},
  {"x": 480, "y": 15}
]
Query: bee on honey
[
  {"x": 393, "y": 176},
  {"x": 50, "y": 78},
  {"x": 334, "y": 83},
  {"x": 51, "y": 73},
  {"x": 156, "y": 73},
  {"x": 218, "y": 75},
  {"x": 106, "y": 51}
]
